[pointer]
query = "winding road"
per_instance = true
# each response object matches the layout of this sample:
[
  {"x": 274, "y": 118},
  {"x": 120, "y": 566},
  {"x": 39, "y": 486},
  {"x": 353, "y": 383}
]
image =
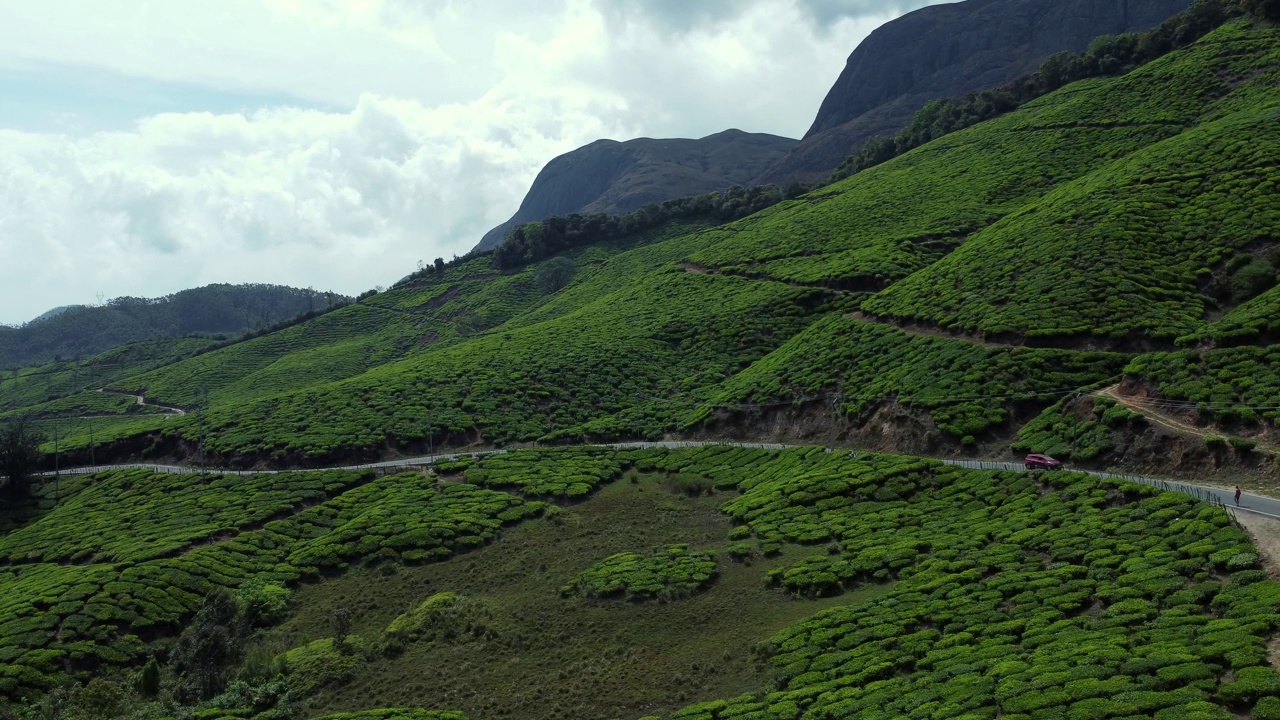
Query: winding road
[{"x": 1255, "y": 504}]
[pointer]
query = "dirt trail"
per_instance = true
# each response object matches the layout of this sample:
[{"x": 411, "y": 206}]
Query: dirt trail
[
  {"x": 929, "y": 331},
  {"x": 1147, "y": 409},
  {"x": 169, "y": 410}
]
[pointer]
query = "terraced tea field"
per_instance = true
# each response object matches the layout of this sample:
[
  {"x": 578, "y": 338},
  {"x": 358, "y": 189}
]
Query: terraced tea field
[{"x": 839, "y": 582}]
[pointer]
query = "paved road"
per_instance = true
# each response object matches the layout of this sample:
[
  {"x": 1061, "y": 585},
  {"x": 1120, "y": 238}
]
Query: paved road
[{"x": 1256, "y": 504}]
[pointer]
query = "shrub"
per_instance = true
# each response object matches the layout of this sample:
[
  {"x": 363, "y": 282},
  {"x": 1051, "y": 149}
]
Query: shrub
[
  {"x": 443, "y": 617},
  {"x": 665, "y": 575},
  {"x": 689, "y": 484},
  {"x": 208, "y": 647},
  {"x": 149, "y": 679},
  {"x": 322, "y": 664},
  {"x": 1267, "y": 708},
  {"x": 262, "y": 602},
  {"x": 554, "y": 274},
  {"x": 1252, "y": 280},
  {"x": 1243, "y": 445}
]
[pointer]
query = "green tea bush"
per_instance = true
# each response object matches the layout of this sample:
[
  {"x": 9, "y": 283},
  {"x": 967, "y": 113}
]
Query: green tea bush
[
  {"x": 1013, "y": 596},
  {"x": 1121, "y": 251},
  {"x": 88, "y": 614},
  {"x": 1222, "y": 385},
  {"x": 1255, "y": 320},
  {"x": 1060, "y": 430},
  {"x": 664, "y": 575},
  {"x": 323, "y": 664},
  {"x": 563, "y": 378},
  {"x": 564, "y": 473},
  {"x": 968, "y": 389},
  {"x": 1267, "y": 708},
  {"x": 133, "y": 515}
]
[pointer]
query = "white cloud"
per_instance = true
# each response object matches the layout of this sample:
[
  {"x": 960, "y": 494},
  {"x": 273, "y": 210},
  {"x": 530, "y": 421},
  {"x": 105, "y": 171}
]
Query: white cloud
[
  {"x": 283, "y": 195},
  {"x": 449, "y": 110}
]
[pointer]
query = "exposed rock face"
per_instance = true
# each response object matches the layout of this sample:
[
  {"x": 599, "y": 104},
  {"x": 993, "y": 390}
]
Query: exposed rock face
[
  {"x": 946, "y": 50},
  {"x": 618, "y": 177}
]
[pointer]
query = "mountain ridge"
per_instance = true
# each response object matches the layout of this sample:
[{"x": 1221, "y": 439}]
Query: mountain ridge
[
  {"x": 948, "y": 50},
  {"x": 615, "y": 177},
  {"x": 219, "y": 308}
]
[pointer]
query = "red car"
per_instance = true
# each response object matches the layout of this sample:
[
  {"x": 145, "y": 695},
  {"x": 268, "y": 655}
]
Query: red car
[{"x": 1036, "y": 461}]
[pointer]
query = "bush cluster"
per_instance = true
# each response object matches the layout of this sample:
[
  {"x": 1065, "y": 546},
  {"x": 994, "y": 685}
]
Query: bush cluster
[
  {"x": 1006, "y": 597},
  {"x": 665, "y": 575},
  {"x": 1063, "y": 432},
  {"x": 91, "y": 614}
]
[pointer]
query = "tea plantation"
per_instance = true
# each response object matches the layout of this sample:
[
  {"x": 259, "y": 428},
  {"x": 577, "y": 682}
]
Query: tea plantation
[
  {"x": 877, "y": 586},
  {"x": 1130, "y": 214},
  {"x": 966, "y": 298},
  {"x": 1123, "y": 250}
]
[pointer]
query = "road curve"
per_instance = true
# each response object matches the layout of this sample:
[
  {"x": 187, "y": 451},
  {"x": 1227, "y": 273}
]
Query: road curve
[{"x": 1255, "y": 504}]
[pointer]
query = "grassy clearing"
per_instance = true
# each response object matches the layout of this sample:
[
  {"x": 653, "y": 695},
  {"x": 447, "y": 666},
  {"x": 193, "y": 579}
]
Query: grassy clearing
[{"x": 563, "y": 657}]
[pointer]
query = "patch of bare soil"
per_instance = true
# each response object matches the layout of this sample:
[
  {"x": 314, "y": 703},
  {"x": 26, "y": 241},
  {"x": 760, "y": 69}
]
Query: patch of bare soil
[
  {"x": 1145, "y": 406},
  {"x": 1265, "y": 533}
]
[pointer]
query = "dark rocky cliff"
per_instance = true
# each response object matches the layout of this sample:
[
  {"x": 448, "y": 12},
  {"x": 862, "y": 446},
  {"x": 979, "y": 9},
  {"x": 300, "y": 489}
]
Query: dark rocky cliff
[
  {"x": 947, "y": 50},
  {"x": 618, "y": 177}
]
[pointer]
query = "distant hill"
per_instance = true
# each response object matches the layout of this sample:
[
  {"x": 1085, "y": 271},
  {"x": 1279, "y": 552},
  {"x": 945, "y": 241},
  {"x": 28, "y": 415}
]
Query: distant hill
[
  {"x": 948, "y": 50},
  {"x": 614, "y": 177},
  {"x": 81, "y": 330},
  {"x": 55, "y": 312}
]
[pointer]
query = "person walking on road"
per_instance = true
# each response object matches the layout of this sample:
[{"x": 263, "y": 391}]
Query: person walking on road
[{"x": 1237, "y": 496}]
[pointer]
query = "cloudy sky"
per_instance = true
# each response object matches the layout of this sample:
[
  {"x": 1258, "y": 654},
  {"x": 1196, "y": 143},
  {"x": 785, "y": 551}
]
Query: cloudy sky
[{"x": 148, "y": 146}]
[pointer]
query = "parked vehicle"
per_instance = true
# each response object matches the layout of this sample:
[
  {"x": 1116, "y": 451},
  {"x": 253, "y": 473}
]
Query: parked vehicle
[{"x": 1038, "y": 461}]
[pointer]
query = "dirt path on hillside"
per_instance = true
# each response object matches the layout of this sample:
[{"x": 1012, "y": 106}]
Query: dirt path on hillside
[
  {"x": 169, "y": 410},
  {"x": 1265, "y": 533},
  {"x": 929, "y": 332},
  {"x": 1148, "y": 410}
]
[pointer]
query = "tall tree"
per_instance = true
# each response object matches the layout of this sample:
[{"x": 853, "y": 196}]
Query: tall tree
[{"x": 20, "y": 455}]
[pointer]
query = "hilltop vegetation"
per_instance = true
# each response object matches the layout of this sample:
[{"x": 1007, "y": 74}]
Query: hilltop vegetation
[{"x": 84, "y": 331}]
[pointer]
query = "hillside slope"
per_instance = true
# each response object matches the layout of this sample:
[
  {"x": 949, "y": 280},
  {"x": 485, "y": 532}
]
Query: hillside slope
[
  {"x": 948, "y": 50},
  {"x": 666, "y": 334},
  {"x": 995, "y": 290},
  {"x": 614, "y": 177}
]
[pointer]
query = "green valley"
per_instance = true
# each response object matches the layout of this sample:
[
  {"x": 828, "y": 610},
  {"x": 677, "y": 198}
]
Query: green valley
[{"x": 1027, "y": 284}]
